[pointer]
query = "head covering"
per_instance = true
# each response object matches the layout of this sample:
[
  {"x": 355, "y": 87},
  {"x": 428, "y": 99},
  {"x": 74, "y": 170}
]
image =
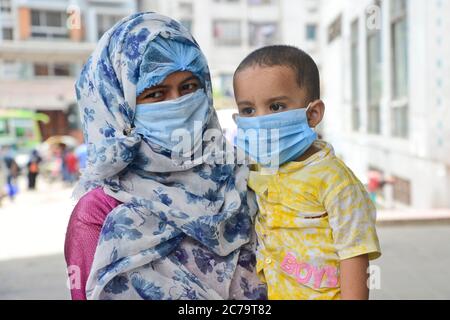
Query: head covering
[{"x": 173, "y": 214}]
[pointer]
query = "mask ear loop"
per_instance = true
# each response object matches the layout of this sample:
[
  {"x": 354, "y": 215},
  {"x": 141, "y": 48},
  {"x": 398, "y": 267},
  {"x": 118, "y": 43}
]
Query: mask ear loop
[{"x": 306, "y": 112}]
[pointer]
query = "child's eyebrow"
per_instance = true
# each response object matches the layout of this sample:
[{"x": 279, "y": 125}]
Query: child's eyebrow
[
  {"x": 244, "y": 103},
  {"x": 278, "y": 99}
]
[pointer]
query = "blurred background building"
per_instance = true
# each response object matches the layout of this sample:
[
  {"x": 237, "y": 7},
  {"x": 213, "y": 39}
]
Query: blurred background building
[
  {"x": 386, "y": 74},
  {"x": 43, "y": 45},
  {"x": 228, "y": 30},
  {"x": 384, "y": 68}
]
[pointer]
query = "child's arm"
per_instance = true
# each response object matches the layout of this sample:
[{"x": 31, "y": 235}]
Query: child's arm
[{"x": 354, "y": 278}]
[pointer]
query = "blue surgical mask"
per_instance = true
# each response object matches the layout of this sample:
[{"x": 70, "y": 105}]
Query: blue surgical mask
[
  {"x": 163, "y": 123},
  {"x": 275, "y": 139}
]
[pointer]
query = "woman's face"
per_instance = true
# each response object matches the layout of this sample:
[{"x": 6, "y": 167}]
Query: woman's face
[{"x": 175, "y": 85}]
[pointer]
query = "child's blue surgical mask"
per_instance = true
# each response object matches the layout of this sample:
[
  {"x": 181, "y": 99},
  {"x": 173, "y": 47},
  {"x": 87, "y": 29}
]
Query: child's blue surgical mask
[
  {"x": 170, "y": 123},
  {"x": 275, "y": 139}
]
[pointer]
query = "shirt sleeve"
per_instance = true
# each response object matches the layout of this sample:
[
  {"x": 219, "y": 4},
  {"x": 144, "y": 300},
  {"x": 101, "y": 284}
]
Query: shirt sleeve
[
  {"x": 82, "y": 236},
  {"x": 352, "y": 217}
]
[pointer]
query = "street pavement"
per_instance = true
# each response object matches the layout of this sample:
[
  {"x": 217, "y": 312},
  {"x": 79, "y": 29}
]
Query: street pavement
[{"x": 414, "y": 265}]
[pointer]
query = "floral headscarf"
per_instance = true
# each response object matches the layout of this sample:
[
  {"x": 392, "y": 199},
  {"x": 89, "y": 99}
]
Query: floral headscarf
[{"x": 183, "y": 230}]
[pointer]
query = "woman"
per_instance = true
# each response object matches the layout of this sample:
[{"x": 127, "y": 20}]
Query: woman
[{"x": 149, "y": 227}]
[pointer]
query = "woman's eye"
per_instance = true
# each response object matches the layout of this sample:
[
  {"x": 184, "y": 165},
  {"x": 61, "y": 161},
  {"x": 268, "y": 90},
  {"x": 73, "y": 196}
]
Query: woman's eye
[
  {"x": 154, "y": 95},
  {"x": 189, "y": 87},
  {"x": 277, "y": 107}
]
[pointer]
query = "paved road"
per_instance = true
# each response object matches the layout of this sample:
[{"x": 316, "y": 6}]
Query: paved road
[
  {"x": 415, "y": 262},
  {"x": 35, "y": 224},
  {"x": 38, "y": 278}
]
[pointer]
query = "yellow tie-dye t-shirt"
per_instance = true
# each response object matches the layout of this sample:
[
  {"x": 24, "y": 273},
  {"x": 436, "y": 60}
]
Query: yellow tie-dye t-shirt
[{"x": 312, "y": 215}]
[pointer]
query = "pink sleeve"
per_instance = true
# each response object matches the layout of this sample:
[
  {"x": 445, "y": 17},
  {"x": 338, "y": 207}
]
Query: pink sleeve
[{"x": 82, "y": 236}]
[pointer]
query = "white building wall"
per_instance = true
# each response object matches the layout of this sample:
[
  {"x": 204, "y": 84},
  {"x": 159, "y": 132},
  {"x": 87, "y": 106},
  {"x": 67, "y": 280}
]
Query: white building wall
[
  {"x": 292, "y": 16},
  {"x": 423, "y": 157}
]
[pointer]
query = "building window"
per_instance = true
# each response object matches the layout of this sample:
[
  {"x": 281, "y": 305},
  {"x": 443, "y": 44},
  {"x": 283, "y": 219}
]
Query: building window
[
  {"x": 263, "y": 34},
  {"x": 374, "y": 80},
  {"x": 48, "y": 24},
  {"x": 399, "y": 53},
  {"x": 185, "y": 9},
  {"x": 7, "y": 33},
  {"x": 10, "y": 70},
  {"x": 311, "y": 32},
  {"x": 4, "y": 129},
  {"x": 41, "y": 69},
  {"x": 187, "y": 23},
  {"x": 260, "y": 2},
  {"x": 335, "y": 29},
  {"x": 73, "y": 117},
  {"x": 5, "y": 5},
  {"x": 402, "y": 190},
  {"x": 51, "y": 70},
  {"x": 227, "y": 33},
  {"x": 226, "y": 85},
  {"x": 105, "y": 22},
  {"x": 227, "y": 1},
  {"x": 356, "y": 113}
]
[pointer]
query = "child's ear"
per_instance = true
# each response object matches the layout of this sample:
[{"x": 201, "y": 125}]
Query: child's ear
[
  {"x": 235, "y": 115},
  {"x": 315, "y": 113}
]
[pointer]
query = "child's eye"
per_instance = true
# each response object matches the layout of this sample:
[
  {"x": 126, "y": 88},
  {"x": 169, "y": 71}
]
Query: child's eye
[
  {"x": 247, "y": 112},
  {"x": 277, "y": 107}
]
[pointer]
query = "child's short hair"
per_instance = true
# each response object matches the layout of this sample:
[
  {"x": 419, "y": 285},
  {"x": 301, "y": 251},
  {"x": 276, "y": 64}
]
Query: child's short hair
[{"x": 298, "y": 60}]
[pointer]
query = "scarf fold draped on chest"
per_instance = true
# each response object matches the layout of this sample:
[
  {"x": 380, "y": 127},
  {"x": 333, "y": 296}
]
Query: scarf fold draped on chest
[{"x": 163, "y": 202}]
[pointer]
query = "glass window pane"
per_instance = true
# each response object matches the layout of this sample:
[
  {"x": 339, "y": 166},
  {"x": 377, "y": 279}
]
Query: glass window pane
[
  {"x": 7, "y": 33},
  {"x": 187, "y": 23},
  {"x": 35, "y": 18},
  {"x": 54, "y": 19},
  {"x": 374, "y": 65},
  {"x": 398, "y": 7},
  {"x": 311, "y": 32},
  {"x": 5, "y": 5},
  {"x": 62, "y": 70},
  {"x": 227, "y": 32},
  {"x": 41, "y": 69},
  {"x": 402, "y": 190},
  {"x": 260, "y": 2},
  {"x": 3, "y": 127},
  {"x": 355, "y": 75},
  {"x": 400, "y": 56},
  {"x": 263, "y": 34}
]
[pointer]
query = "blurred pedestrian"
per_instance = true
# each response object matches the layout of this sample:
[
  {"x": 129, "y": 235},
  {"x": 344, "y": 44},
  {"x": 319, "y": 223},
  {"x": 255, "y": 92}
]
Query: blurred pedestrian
[
  {"x": 3, "y": 180},
  {"x": 62, "y": 153},
  {"x": 33, "y": 169},
  {"x": 71, "y": 165},
  {"x": 13, "y": 174}
]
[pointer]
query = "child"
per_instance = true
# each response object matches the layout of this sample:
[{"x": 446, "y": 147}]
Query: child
[{"x": 316, "y": 223}]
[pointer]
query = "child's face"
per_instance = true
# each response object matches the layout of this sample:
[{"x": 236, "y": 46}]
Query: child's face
[{"x": 265, "y": 90}]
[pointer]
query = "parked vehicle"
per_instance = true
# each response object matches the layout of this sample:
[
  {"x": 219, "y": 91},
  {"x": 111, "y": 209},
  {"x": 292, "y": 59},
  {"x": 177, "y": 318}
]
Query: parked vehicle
[{"x": 19, "y": 129}]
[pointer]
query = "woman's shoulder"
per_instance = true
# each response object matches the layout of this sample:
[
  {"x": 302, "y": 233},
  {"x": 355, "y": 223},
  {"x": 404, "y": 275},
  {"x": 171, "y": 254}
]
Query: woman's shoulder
[{"x": 94, "y": 206}]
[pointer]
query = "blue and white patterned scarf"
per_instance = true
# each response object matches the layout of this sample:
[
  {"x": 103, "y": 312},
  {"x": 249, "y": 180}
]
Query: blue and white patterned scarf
[{"x": 183, "y": 231}]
